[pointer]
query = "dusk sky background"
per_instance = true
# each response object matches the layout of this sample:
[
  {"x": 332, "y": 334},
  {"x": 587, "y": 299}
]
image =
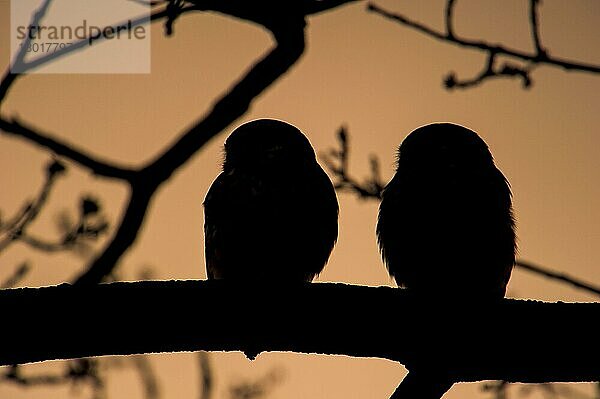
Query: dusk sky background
[{"x": 378, "y": 79}]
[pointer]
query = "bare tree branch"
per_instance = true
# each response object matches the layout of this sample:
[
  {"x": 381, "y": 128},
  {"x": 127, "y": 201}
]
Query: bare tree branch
[
  {"x": 75, "y": 235},
  {"x": 558, "y": 276},
  {"x": 89, "y": 371},
  {"x": 206, "y": 375},
  {"x": 450, "y": 18},
  {"x": 497, "y": 388},
  {"x": 256, "y": 389},
  {"x": 13, "y": 374},
  {"x": 147, "y": 375},
  {"x": 19, "y": 59},
  {"x": 500, "y": 390},
  {"x": 535, "y": 26},
  {"x": 155, "y": 317},
  {"x": 75, "y": 372},
  {"x": 18, "y": 275},
  {"x": 19, "y": 63},
  {"x": 68, "y": 151},
  {"x": 490, "y": 71},
  {"x": 539, "y": 57},
  {"x": 338, "y": 160},
  {"x": 15, "y": 228}
]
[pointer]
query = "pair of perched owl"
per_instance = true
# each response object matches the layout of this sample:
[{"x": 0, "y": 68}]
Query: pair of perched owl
[
  {"x": 445, "y": 223},
  {"x": 445, "y": 226}
]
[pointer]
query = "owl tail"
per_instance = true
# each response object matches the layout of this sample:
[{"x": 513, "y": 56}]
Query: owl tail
[{"x": 422, "y": 385}]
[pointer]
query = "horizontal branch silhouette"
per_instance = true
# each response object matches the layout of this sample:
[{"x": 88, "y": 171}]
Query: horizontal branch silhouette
[{"x": 512, "y": 340}]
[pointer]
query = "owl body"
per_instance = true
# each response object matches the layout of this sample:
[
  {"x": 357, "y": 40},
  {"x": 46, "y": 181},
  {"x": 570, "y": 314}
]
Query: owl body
[
  {"x": 445, "y": 223},
  {"x": 272, "y": 213}
]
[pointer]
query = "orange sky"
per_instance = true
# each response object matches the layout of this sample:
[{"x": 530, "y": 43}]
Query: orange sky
[{"x": 378, "y": 79}]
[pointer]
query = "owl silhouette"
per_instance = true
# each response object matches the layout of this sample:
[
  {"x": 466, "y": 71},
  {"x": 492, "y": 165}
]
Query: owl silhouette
[
  {"x": 271, "y": 215},
  {"x": 445, "y": 228},
  {"x": 446, "y": 223}
]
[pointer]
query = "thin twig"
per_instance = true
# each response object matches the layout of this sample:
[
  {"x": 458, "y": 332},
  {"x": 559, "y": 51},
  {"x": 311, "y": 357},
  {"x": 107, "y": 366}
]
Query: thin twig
[
  {"x": 206, "y": 375},
  {"x": 19, "y": 60},
  {"x": 90, "y": 224},
  {"x": 18, "y": 275},
  {"x": 489, "y": 71},
  {"x": 497, "y": 388},
  {"x": 147, "y": 375},
  {"x": 558, "y": 276},
  {"x": 450, "y": 18},
  {"x": 535, "y": 26},
  {"x": 18, "y": 225},
  {"x": 258, "y": 388},
  {"x": 338, "y": 161},
  {"x": 19, "y": 64},
  {"x": 76, "y": 371},
  {"x": 75, "y": 236}
]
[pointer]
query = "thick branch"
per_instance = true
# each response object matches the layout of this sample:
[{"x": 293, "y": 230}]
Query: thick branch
[{"x": 512, "y": 340}]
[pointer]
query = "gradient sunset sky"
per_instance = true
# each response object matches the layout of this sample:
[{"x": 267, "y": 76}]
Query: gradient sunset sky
[{"x": 375, "y": 77}]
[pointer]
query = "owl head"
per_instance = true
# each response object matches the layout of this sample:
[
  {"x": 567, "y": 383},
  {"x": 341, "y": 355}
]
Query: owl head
[
  {"x": 267, "y": 143},
  {"x": 444, "y": 146}
]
